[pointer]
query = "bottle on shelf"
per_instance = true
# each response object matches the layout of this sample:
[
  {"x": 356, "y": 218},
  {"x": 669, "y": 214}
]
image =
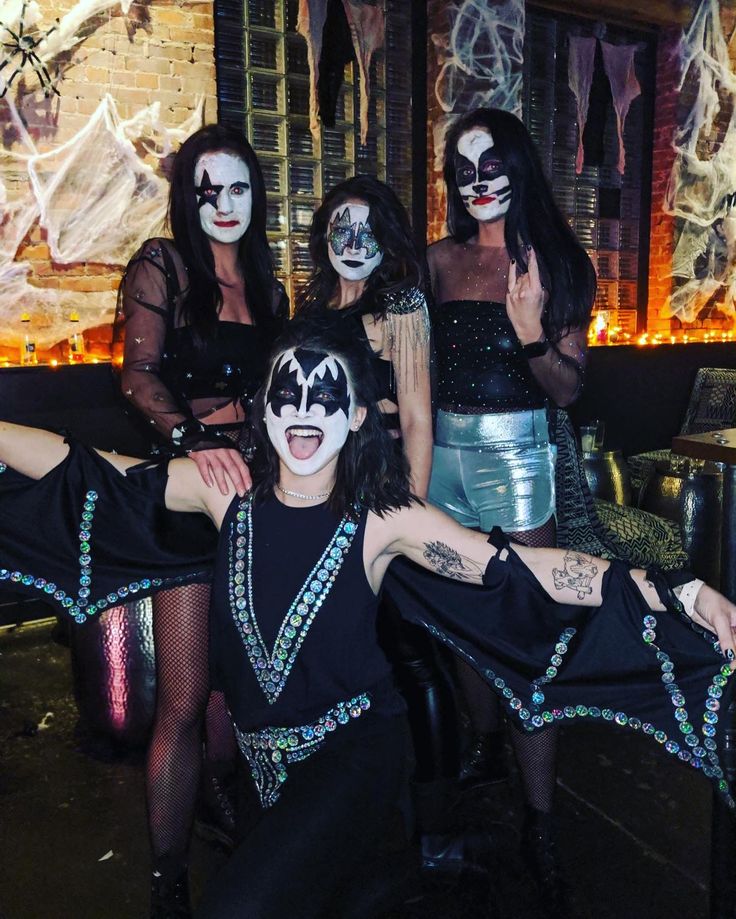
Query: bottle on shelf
[
  {"x": 28, "y": 353},
  {"x": 77, "y": 347}
]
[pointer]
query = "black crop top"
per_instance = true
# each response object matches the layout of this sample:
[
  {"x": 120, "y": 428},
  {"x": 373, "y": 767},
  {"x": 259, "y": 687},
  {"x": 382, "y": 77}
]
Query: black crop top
[
  {"x": 479, "y": 358},
  {"x": 339, "y": 657},
  {"x": 164, "y": 374},
  {"x": 231, "y": 365}
]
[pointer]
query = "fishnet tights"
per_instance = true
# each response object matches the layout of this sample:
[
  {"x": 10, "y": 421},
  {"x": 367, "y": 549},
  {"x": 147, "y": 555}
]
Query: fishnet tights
[
  {"x": 180, "y": 628},
  {"x": 536, "y": 753}
]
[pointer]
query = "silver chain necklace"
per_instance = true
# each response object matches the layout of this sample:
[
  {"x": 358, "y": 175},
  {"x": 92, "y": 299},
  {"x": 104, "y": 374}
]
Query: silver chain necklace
[{"x": 298, "y": 494}]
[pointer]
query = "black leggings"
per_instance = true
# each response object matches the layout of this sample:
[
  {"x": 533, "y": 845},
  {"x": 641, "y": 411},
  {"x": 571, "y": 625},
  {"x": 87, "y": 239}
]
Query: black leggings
[{"x": 302, "y": 856}]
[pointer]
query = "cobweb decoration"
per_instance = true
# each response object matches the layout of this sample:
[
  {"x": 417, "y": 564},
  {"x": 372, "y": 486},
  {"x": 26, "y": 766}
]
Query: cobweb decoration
[
  {"x": 25, "y": 45},
  {"x": 98, "y": 200},
  {"x": 481, "y": 58},
  {"x": 47, "y": 308},
  {"x": 702, "y": 187},
  {"x": 18, "y": 212}
]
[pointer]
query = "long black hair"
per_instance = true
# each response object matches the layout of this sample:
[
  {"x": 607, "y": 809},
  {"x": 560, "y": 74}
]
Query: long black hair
[
  {"x": 533, "y": 218},
  {"x": 400, "y": 268},
  {"x": 371, "y": 472},
  {"x": 204, "y": 298}
]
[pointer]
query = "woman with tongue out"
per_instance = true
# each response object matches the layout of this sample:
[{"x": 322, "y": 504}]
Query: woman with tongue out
[
  {"x": 513, "y": 290},
  {"x": 196, "y": 318}
]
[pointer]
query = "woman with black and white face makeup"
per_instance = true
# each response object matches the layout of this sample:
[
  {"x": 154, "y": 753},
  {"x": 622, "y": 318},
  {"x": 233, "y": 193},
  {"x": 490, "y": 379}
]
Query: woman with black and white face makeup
[
  {"x": 367, "y": 271},
  {"x": 196, "y": 317},
  {"x": 298, "y": 568},
  {"x": 513, "y": 291}
]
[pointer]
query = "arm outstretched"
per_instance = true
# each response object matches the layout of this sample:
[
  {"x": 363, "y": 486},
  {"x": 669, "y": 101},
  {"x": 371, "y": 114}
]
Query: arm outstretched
[
  {"x": 35, "y": 452},
  {"x": 435, "y": 541}
]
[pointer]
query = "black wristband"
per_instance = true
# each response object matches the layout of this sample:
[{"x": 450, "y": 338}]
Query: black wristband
[{"x": 536, "y": 348}]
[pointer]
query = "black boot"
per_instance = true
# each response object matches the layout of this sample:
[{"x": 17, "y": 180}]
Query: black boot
[
  {"x": 445, "y": 851},
  {"x": 170, "y": 896},
  {"x": 215, "y": 819},
  {"x": 484, "y": 761},
  {"x": 539, "y": 851}
]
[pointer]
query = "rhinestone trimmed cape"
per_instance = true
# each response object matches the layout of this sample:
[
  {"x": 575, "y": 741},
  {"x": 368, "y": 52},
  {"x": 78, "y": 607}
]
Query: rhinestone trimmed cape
[{"x": 272, "y": 668}]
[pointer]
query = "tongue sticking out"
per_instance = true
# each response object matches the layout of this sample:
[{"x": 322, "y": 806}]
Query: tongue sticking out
[{"x": 303, "y": 446}]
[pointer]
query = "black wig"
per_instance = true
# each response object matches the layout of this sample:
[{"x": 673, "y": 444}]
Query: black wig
[
  {"x": 371, "y": 472},
  {"x": 204, "y": 298},
  {"x": 533, "y": 218},
  {"x": 400, "y": 268}
]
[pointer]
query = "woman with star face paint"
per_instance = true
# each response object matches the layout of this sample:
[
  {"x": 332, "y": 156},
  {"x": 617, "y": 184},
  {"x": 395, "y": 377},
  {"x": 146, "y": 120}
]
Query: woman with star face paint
[
  {"x": 196, "y": 318},
  {"x": 299, "y": 564},
  {"x": 513, "y": 291}
]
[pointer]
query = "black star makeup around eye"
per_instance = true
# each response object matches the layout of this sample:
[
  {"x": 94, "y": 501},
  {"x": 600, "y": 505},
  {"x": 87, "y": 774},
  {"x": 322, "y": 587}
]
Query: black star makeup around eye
[
  {"x": 207, "y": 193},
  {"x": 222, "y": 180}
]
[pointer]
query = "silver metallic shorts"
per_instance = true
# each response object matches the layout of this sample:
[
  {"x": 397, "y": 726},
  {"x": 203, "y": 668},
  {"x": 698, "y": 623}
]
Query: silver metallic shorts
[{"x": 494, "y": 470}]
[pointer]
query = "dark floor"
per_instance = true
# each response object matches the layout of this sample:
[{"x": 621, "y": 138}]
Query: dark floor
[{"x": 634, "y": 826}]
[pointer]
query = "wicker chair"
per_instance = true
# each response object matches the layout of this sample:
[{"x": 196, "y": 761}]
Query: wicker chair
[{"x": 712, "y": 406}]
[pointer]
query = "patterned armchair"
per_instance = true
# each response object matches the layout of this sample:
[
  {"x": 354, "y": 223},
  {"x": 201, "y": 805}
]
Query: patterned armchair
[
  {"x": 598, "y": 527},
  {"x": 712, "y": 406}
]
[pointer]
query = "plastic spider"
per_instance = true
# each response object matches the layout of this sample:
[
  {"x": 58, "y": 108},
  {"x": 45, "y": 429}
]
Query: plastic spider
[{"x": 24, "y": 44}]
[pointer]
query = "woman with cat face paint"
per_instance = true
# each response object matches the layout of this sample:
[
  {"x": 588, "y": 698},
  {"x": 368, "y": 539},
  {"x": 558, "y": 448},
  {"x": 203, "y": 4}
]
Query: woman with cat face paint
[
  {"x": 196, "y": 318},
  {"x": 298, "y": 568},
  {"x": 513, "y": 291}
]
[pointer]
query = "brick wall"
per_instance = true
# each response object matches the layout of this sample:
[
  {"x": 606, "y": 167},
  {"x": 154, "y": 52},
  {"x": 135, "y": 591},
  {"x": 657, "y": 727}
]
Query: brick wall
[
  {"x": 662, "y": 226},
  {"x": 437, "y": 22},
  {"x": 160, "y": 51}
]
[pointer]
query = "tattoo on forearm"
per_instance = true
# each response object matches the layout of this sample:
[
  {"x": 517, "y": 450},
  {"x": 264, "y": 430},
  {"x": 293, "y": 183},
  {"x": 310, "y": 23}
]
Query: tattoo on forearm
[
  {"x": 448, "y": 562},
  {"x": 577, "y": 574}
]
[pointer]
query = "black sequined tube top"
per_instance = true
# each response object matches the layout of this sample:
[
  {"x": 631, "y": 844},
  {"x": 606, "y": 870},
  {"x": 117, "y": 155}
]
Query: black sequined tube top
[
  {"x": 229, "y": 365},
  {"x": 480, "y": 363}
]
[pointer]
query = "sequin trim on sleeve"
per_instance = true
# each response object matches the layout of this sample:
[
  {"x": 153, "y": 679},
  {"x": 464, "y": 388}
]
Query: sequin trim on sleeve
[
  {"x": 271, "y": 749},
  {"x": 700, "y": 752},
  {"x": 82, "y": 608},
  {"x": 408, "y": 327}
]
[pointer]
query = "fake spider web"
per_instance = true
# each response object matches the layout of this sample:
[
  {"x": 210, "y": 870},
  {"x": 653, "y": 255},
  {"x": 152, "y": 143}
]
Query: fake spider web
[
  {"x": 702, "y": 187},
  {"x": 481, "y": 59},
  {"x": 97, "y": 200},
  {"x": 25, "y": 46}
]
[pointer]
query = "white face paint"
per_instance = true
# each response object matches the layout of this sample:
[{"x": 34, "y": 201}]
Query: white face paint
[
  {"x": 480, "y": 176},
  {"x": 222, "y": 186},
  {"x": 351, "y": 246},
  {"x": 309, "y": 409}
]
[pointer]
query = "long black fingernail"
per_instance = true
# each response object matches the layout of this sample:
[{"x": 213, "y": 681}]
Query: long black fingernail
[{"x": 513, "y": 261}]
